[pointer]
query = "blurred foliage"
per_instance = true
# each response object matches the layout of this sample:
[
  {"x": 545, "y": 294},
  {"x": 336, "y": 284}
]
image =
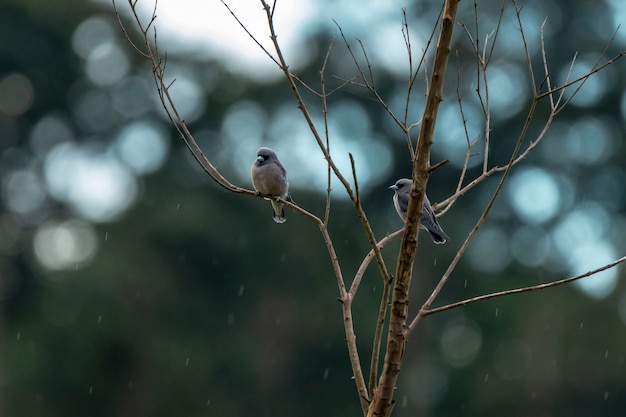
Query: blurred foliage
[{"x": 193, "y": 302}]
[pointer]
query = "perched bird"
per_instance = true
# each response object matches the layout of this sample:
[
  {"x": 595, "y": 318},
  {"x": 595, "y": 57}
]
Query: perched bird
[
  {"x": 428, "y": 220},
  {"x": 270, "y": 178}
]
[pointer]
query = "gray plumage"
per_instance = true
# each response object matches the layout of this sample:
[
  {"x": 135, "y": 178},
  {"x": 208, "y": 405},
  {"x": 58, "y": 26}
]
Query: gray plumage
[
  {"x": 270, "y": 178},
  {"x": 428, "y": 220}
]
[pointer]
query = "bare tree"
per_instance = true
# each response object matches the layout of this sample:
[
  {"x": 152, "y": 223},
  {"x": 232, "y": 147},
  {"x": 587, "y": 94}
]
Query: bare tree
[{"x": 376, "y": 391}]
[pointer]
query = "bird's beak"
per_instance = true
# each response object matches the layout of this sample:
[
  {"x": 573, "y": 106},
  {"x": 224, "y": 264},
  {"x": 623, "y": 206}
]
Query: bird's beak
[
  {"x": 260, "y": 158},
  {"x": 393, "y": 187}
]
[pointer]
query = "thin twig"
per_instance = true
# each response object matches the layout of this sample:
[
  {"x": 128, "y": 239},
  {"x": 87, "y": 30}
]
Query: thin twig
[
  {"x": 249, "y": 33},
  {"x": 523, "y": 289},
  {"x": 323, "y": 97},
  {"x": 488, "y": 56},
  {"x": 356, "y": 181},
  {"x": 595, "y": 65},
  {"x": 382, "y": 309}
]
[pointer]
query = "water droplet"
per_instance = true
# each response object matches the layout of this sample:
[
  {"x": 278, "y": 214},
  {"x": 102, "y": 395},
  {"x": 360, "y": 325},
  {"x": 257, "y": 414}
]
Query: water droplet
[
  {"x": 606, "y": 354},
  {"x": 178, "y": 208},
  {"x": 465, "y": 284},
  {"x": 231, "y": 319},
  {"x": 208, "y": 402},
  {"x": 326, "y": 371},
  {"x": 606, "y": 395},
  {"x": 496, "y": 311},
  {"x": 486, "y": 377},
  {"x": 241, "y": 290},
  {"x": 581, "y": 325},
  {"x": 91, "y": 389},
  {"x": 100, "y": 319},
  {"x": 18, "y": 336},
  {"x": 405, "y": 401},
  {"x": 187, "y": 362},
  {"x": 106, "y": 236}
]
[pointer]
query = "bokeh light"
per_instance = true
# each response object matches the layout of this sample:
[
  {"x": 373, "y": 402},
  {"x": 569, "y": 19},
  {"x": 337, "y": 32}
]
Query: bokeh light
[
  {"x": 580, "y": 149},
  {"x": 66, "y": 245},
  {"x": 580, "y": 240},
  {"x": 186, "y": 91},
  {"x": 92, "y": 33},
  {"x": 461, "y": 341},
  {"x": 17, "y": 94},
  {"x": 591, "y": 256},
  {"x": 507, "y": 95},
  {"x": 587, "y": 223},
  {"x": 594, "y": 88},
  {"x": 618, "y": 14},
  {"x": 49, "y": 131},
  {"x": 93, "y": 110},
  {"x": 133, "y": 98},
  {"x": 23, "y": 192},
  {"x": 90, "y": 180},
  {"x": 535, "y": 195},
  {"x": 107, "y": 64},
  {"x": 451, "y": 141},
  {"x": 142, "y": 146},
  {"x": 569, "y": 143},
  {"x": 489, "y": 250},
  {"x": 244, "y": 123},
  {"x": 530, "y": 245}
]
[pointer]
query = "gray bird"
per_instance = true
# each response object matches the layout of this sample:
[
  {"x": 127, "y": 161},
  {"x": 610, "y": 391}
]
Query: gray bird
[
  {"x": 270, "y": 178},
  {"x": 428, "y": 220}
]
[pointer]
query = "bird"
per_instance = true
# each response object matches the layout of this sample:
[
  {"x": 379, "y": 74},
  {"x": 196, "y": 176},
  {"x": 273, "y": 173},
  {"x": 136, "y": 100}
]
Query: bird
[
  {"x": 270, "y": 178},
  {"x": 428, "y": 220}
]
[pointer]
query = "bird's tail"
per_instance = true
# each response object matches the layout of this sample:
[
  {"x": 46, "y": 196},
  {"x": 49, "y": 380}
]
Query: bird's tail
[
  {"x": 438, "y": 235},
  {"x": 278, "y": 212}
]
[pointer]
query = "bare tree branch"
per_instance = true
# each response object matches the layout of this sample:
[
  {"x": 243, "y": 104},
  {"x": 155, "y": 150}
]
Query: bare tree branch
[
  {"x": 523, "y": 289},
  {"x": 323, "y": 97},
  {"x": 396, "y": 338},
  {"x": 241, "y": 24},
  {"x": 382, "y": 310}
]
